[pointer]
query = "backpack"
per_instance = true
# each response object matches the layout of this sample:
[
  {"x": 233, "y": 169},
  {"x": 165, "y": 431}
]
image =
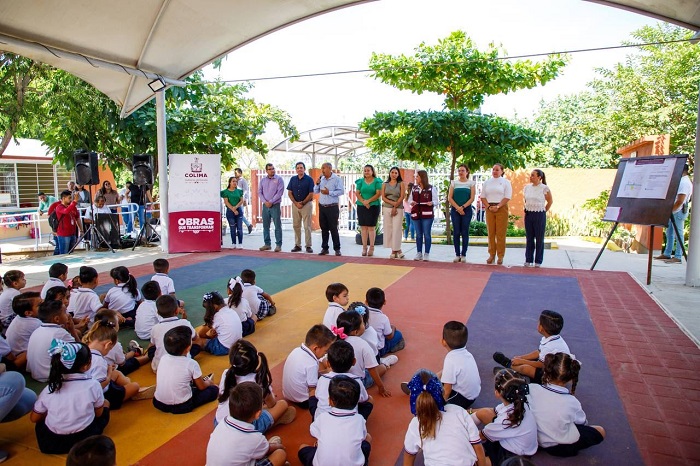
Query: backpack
[{"x": 54, "y": 221}]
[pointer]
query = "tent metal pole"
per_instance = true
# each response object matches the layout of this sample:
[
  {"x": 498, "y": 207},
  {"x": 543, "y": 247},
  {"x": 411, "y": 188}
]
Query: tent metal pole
[
  {"x": 692, "y": 270},
  {"x": 162, "y": 168}
]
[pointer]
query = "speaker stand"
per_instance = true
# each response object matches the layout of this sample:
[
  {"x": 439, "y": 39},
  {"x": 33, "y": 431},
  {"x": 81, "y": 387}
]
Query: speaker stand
[{"x": 92, "y": 228}]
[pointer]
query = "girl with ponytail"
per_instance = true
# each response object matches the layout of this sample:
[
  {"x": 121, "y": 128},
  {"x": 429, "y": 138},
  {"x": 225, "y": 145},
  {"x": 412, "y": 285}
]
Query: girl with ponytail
[
  {"x": 240, "y": 305},
  {"x": 509, "y": 428},
  {"x": 445, "y": 433},
  {"x": 124, "y": 297}
]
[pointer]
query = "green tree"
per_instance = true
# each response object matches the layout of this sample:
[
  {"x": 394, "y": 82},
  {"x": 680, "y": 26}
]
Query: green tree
[{"x": 455, "y": 68}]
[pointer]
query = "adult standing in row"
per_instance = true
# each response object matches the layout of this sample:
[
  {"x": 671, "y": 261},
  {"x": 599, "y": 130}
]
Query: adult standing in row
[
  {"x": 410, "y": 227},
  {"x": 330, "y": 188},
  {"x": 233, "y": 200},
  {"x": 495, "y": 194},
  {"x": 243, "y": 186},
  {"x": 461, "y": 197},
  {"x": 368, "y": 190},
  {"x": 424, "y": 197},
  {"x": 301, "y": 191},
  {"x": 270, "y": 193},
  {"x": 538, "y": 200},
  {"x": 392, "y": 211}
]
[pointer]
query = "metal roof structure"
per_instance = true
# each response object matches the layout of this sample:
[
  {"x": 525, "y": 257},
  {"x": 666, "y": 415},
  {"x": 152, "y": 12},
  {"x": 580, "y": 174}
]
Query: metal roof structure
[{"x": 327, "y": 141}]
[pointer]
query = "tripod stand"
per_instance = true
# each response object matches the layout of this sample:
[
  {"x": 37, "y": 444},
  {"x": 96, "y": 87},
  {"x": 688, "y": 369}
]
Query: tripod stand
[
  {"x": 146, "y": 224},
  {"x": 92, "y": 228}
]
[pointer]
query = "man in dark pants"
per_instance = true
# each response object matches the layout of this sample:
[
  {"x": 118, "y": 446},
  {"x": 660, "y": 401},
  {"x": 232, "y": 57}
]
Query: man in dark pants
[{"x": 330, "y": 188}]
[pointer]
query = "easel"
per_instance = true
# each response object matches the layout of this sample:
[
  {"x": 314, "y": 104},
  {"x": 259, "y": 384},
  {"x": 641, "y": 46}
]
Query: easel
[{"x": 92, "y": 228}]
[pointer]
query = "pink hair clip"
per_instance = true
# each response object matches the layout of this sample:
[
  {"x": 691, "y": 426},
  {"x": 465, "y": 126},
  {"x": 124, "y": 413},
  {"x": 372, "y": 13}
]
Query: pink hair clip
[{"x": 339, "y": 332}]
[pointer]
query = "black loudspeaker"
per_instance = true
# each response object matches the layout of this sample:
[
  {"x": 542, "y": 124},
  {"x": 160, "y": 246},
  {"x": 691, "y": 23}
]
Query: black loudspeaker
[
  {"x": 143, "y": 171},
  {"x": 86, "y": 171}
]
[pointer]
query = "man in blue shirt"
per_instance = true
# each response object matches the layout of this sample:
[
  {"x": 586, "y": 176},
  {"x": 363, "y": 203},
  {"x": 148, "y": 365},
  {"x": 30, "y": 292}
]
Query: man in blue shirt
[
  {"x": 330, "y": 188},
  {"x": 301, "y": 191},
  {"x": 270, "y": 193}
]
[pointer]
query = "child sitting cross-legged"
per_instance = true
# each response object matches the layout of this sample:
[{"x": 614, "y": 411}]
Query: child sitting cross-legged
[
  {"x": 240, "y": 305},
  {"x": 180, "y": 387},
  {"x": 126, "y": 362},
  {"x": 370, "y": 335},
  {"x": 341, "y": 433},
  {"x": 341, "y": 357},
  {"x": 26, "y": 306},
  {"x": 147, "y": 312},
  {"x": 390, "y": 339},
  {"x": 222, "y": 326},
  {"x": 235, "y": 440},
  {"x": 168, "y": 310},
  {"x": 54, "y": 320},
  {"x": 124, "y": 297},
  {"x": 337, "y": 296},
  {"x": 260, "y": 302}
]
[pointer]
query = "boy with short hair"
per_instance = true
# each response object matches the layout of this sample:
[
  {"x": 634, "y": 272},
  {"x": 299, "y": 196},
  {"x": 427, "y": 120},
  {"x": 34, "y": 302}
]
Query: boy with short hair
[
  {"x": 84, "y": 302},
  {"x": 260, "y": 302},
  {"x": 168, "y": 310},
  {"x": 97, "y": 450},
  {"x": 390, "y": 339},
  {"x": 549, "y": 326},
  {"x": 147, "y": 313},
  {"x": 341, "y": 433},
  {"x": 341, "y": 357},
  {"x": 235, "y": 441},
  {"x": 337, "y": 296},
  {"x": 54, "y": 318},
  {"x": 300, "y": 374},
  {"x": 460, "y": 375},
  {"x": 58, "y": 273},
  {"x": 161, "y": 267},
  {"x": 26, "y": 306},
  {"x": 180, "y": 387}
]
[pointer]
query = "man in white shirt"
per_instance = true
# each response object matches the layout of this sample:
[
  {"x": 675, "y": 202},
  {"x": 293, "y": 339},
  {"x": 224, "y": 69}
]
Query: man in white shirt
[{"x": 678, "y": 216}]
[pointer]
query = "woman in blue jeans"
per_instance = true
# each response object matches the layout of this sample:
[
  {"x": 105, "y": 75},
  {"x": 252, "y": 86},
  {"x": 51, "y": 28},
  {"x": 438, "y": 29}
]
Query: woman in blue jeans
[
  {"x": 424, "y": 197},
  {"x": 410, "y": 228},
  {"x": 461, "y": 196},
  {"x": 233, "y": 199}
]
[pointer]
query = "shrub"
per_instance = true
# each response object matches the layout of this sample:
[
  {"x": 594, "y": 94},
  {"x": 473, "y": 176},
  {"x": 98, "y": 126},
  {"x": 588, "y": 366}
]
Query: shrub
[{"x": 477, "y": 228}]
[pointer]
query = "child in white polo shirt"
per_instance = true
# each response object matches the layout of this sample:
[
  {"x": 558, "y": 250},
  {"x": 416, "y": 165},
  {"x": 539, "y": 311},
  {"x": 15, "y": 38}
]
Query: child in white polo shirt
[
  {"x": 222, "y": 326},
  {"x": 124, "y": 297},
  {"x": 180, "y": 387},
  {"x": 341, "y": 357},
  {"x": 161, "y": 267},
  {"x": 342, "y": 438},
  {"x": 72, "y": 407},
  {"x": 58, "y": 273},
  {"x": 300, "y": 374},
  {"x": 337, "y": 296},
  {"x": 14, "y": 281},
  {"x": 147, "y": 313},
  {"x": 549, "y": 326},
  {"x": 84, "y": 302},
  {"x": 168, "y": 310},
  {"x": 26, "y": 306},
  {"x": 54, "y": 318},
  {"x": 460, "y": 376},
  {"x": 260, "y": 302},
  {"x": 235, "y": 442},
  {"x": 390, "y": 339}
]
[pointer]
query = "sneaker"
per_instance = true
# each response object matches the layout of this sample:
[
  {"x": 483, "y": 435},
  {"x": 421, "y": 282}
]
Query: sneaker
[
  {"x": 208, "y": 376},
  {"x": 457, "y": 259},
  {"x": 265, "y": 247},
  {"x": 250, "y": 229},
  {"x": 309, "y": 249},
  {"x": 399, "y": 346},
  {"x": 239, "y": 246},
  {"x": 673, "y": 260},
  {"x": 662, "y": 257},
  {"x": 501, "y": 359},
  {"x": 135, "y": 347},
  {"x": 278, "y": 248},
  {"x": 390, "y": 360},
  {"x": 272, "y": 311},
  {"x": 145, "y": 393},
  {"x": 419, "y": 257},
  {"x": 404, "y": 388},
  {"x": 464, "y": 259},
  {"x": 426, "y": 257},
  {"x": 528, "y": 264},
  {"x": 288, "y": 416},
  {"x": 276, "y": 439},
  {"x": 537, "y": 266}
]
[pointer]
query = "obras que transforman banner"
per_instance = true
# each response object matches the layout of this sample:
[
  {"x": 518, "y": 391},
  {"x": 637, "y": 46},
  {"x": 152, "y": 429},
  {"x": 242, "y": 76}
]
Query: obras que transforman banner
[{"x": 194, "y": 203}]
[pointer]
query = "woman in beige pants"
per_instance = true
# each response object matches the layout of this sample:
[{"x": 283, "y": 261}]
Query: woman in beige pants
[{"x": 495, "y": 194}]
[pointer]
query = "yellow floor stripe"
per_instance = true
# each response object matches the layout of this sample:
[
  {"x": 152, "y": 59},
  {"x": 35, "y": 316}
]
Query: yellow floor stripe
[{"x": 138, "y": 428}]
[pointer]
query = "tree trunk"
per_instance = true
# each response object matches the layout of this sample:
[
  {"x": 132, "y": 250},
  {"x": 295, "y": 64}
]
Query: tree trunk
[{"x": 21, "y": 87}]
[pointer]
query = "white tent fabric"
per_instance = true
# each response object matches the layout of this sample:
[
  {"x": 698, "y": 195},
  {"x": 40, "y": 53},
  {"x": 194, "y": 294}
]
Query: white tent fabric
[
  {"x": 684, "y": 13},
  {"x": 121, "y": 46}
]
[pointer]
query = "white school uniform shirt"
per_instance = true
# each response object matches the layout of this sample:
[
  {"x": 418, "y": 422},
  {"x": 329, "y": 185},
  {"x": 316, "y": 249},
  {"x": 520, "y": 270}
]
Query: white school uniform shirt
[
  {"x": 364, "y": 356},
  {"x": 340, "y": 433},
  {"x": 243, "y": 310},
  {"x": 116, "y": 355},
  {"x": 4, "y": 347},
  {"x": 158, "y": 333},
  {"x": 72, "y": 408},
  {"x": 381, "y": 324},
  {"x": 455, "y": 436},
  {"x": 222, "y": 410},
  {"x": 175, "y": 373},
  {"x": 330, "y": 318},
  {"x": 84, "y": 302},
  {"x": 459, "y": 370},
  {"x": 236, "y": 443},
  {"x": 228, "y": 326},
  {"x": 553, "y": 344},
  {"x": 19, "y": 331},
  {"x": 324, "y": 381},
  {"x": 519, "y": 440},
  {"x": 250, "y": 294},
  {"x": 120, "y": 299},
  {"x": 6, "y": 312},
  {"x": 556, "y": 413},
  {"x": 146, "y": 318},
  {"x": 51, "y": 283},
  {"x": 167, "y": 285},
  {"x": 38, "y": 357},
  {"x": 98, "y": 368},
  {"x": 300, "y": 374},
  {"x": 372, "y": 338}
]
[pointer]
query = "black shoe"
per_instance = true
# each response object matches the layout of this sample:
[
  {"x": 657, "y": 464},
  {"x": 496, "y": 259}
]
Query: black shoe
[
  {"x": 324, "y": 252},
  {"x": 272, "y": 311},
  {"x": 296, "y": 249},
  {"x": 501, "y": 359},
  {"x": 404, "y": 388},
  {"x": 337, "y": 253},
  {"x": 309, "y": 250},
  {"x": 250, "y": 229}
]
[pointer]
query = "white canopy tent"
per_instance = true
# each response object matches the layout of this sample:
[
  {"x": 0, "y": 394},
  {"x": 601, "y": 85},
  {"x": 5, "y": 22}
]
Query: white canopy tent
[{"x": 120, "y": 47}]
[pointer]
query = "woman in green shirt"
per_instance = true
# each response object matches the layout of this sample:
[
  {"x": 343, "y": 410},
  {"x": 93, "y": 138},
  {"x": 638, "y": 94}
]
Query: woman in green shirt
[
  {"x": 233, "y": 199},
  {"x": 461, "y": 198},
  {"x": 368, "y": 190}
]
